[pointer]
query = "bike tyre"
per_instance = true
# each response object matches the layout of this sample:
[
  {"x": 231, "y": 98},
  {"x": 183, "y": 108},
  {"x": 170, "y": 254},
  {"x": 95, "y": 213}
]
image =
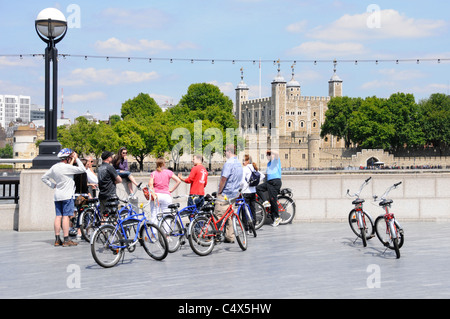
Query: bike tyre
[
  {"x": 249, "y": 218},
  {"x": 239, "y": 233},
  {"x": 260, "y": 215},
  {"x": 154, "y": 241},
  {"x": 172, "y": 227},
  {"x": 288, "y": 205},
  {"x": 101, "y": 240},
  {"x": 370, "y": 229},
  {"x": 396, "y": 248},
  {"x": 380, "y": 229},
  {"x": 202, "y": 235}
]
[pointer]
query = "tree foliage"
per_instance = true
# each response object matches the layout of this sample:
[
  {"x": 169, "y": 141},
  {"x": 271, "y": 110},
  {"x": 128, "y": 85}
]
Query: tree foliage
[
  {"x": 202, "y": 117},
  {"x": 373, "y": 122}
]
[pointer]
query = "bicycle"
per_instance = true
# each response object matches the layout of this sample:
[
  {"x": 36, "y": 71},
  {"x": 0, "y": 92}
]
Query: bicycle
[
  {"x": 109, "y": 241},
  {"x": 206, "y": 230},
  {"x": 286, "y": 209},
  {"x": 172, "y": 224},
  {"x": 245, "y": 214},
  {"x": 360, "y": 221},
  {"x": 387, "y": 228}
]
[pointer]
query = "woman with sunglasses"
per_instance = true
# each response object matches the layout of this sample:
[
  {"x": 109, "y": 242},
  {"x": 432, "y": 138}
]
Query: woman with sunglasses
[{"x": 120, "y": 163}]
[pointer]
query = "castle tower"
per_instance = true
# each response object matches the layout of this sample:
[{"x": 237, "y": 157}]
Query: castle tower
[
  {"x": 313, "y": 151},
  {"x": 293, "y": 87},
  {"x": 241, "y": 96},
  {"x": 335, "y": 84},
  {"x": 278, "y": 118}
]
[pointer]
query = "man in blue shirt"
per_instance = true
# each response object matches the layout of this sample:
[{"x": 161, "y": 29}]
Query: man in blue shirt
[
  {"x": 230, "y": 182},
  {"x": 272, "y": 186}
]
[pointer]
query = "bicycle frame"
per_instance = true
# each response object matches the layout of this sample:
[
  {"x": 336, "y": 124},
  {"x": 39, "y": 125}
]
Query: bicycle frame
[{"x": 222, "y": 220}]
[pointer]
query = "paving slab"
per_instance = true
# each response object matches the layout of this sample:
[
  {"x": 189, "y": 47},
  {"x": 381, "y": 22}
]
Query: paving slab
[{"x": 301, "y": 260}]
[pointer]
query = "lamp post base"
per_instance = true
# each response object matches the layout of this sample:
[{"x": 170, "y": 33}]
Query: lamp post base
[{"x": 48, "y": 155}]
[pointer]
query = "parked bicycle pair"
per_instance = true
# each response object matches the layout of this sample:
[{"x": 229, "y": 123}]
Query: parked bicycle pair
[{"x": 386, "y": 227}]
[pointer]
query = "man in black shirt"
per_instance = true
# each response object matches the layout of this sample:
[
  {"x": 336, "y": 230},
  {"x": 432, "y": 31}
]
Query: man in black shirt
[{"x": 107, "y": 179}]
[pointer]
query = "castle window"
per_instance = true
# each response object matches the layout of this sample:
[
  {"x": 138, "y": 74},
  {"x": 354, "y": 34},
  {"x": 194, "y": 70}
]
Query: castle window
[{"x": 286, "y": 156}]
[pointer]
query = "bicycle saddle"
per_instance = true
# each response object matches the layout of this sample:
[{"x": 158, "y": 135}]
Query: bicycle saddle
[
  {"x": 176, "y": 205},
  {"x": 358, "y": 201},
  {"x": 386, "y": 202}
]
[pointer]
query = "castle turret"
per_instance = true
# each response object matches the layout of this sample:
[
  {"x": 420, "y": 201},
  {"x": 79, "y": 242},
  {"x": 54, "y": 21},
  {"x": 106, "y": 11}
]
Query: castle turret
[
  {"x": 335, "y": 84},
  {"x": 293, "y": 86},
  {"x": 278, "y": 103},
  {"x": 241, "y": 96}
]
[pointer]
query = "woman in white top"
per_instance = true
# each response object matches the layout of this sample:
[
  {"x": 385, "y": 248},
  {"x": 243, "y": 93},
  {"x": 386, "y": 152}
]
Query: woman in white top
[
  {"x": 249, "y": 192},
  {"x": 92, "y": 178}
]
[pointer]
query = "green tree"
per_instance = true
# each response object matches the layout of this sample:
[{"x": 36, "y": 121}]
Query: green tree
[
  {"x": 6, "y": 152},
  {"x": 435, "y": 119},
  {"x": 141, "y": 107},
  {"x": 338, "y": 117}
]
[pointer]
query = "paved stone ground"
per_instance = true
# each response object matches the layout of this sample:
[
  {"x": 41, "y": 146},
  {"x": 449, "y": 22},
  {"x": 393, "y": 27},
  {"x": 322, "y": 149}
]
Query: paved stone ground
[{"x": 302, "y": 260}]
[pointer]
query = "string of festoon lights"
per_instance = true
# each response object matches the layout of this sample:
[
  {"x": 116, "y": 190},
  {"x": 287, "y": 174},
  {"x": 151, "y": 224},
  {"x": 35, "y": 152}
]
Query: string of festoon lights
[{"x": 234, "y": 61}]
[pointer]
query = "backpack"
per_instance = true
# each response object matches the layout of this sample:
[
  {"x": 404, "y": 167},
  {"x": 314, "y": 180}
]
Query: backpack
[{"x": 254, "y": 178}]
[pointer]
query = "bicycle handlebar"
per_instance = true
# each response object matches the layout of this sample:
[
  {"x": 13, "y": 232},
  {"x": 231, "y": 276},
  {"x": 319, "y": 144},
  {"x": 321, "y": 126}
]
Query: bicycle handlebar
[
  {"x": 388, "y": 190},
  {"x": 360, "y": 189}
]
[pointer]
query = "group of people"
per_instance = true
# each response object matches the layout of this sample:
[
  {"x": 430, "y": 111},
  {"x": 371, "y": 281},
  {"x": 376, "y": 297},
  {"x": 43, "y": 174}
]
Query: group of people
[{"x": 114, "y": 169}]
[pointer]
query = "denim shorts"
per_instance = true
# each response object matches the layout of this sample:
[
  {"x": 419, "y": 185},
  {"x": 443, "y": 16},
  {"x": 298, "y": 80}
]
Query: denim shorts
[{"x": 64, "y": 207}]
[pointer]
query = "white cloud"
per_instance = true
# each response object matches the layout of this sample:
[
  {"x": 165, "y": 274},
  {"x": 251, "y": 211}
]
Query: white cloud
[
  {"x": 91, "y": 96},
  {"x": 389, "y": 24},
  {"x": 116, "y": 45},
  {"x": 143, "y": 45},
  {"x": 17, "y": 62},
  {"x": 297, "y": 27},
  {"x": 321, "y": 49},
  {"x": 136, "y": 18},
  {"x": 106, "y": 76},
  {"x": 401, "y": 75}
]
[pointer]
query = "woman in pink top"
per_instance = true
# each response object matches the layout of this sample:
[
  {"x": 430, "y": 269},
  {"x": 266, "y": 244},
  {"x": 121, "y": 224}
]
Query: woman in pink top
[{"x": 159, "y": 185}]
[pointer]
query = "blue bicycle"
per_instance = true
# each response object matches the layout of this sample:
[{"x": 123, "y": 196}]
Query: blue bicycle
[
  {"x": 109, "y": 242},
  {"x": 172, "y": 224}
]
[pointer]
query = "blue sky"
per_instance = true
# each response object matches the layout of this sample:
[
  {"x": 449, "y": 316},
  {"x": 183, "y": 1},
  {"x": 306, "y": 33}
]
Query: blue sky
[{"x": 289, "y": 30}]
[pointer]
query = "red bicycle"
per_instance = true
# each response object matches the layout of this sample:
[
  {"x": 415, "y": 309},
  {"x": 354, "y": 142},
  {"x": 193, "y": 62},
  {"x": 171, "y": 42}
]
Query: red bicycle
[
  {"x": 206, "y": 230},
  {"x": 387, "y": 228}
]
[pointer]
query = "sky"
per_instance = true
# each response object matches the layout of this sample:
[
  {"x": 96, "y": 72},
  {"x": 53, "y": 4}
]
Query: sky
[{"x": 213, "y": 33}]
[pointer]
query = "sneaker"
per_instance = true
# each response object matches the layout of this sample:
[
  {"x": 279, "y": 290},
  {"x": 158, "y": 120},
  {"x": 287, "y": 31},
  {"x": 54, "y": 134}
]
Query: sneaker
[
  {"x": 67, "y": 243},
  {"x": 276, "y": 222},
  {"x": 266, "y": 204},
  {"x": 58, "y": 243}
]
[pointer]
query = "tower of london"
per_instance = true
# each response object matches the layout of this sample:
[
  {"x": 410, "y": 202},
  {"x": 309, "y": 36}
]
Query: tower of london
[{"x": 288, "y": 120}]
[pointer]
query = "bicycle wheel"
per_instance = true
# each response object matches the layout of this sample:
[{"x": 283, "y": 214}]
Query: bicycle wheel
[
  {"x": 88, "y": 224},
  {"x": 171, "y": 226},
  {"x": 353, "y": 222},
  {"x": 286, "y": 209},
  {"x": 245, "y": 210},
  {"x": 202, "y": 235},
  {"x": 154, "y": 241},
  {"x": 105, "y": 246},
  {"x": 383, "y": 233},
  {"x": 260, "y": 215},
  {"x": 239, "y": 232}
]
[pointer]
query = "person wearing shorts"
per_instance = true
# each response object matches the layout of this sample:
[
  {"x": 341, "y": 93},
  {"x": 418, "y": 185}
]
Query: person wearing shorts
[{"x": 60, "y": 178}]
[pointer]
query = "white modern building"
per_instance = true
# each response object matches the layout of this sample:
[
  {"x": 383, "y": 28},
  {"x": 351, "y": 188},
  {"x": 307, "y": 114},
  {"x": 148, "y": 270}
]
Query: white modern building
[{"x": 13, "y": 107}]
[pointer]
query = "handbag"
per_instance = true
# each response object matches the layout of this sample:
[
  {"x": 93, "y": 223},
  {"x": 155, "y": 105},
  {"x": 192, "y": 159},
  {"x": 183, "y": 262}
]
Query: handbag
[{"x": 254, "y": 178}]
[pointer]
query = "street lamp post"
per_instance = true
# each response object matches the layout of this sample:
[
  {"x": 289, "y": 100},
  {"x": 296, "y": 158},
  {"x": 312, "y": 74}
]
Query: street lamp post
[{"x": 51, "y": 27}]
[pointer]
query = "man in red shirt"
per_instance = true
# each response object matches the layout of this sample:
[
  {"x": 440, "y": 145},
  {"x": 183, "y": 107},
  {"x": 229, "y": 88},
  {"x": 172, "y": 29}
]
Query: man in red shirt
[{"x": 198, "y": 178}]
